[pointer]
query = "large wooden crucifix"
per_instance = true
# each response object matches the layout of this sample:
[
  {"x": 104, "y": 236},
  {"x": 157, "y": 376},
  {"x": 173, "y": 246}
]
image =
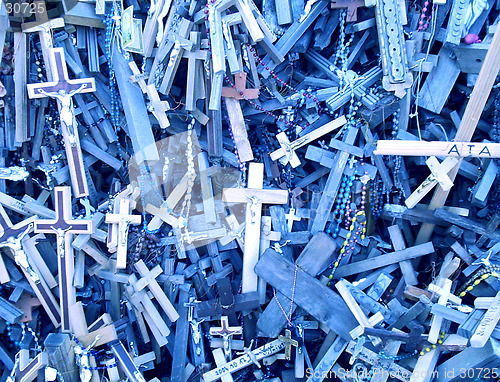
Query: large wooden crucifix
[
  {"x": 64, "y": 227},
  {"x": 468, "y": 124},
  {"x": 12, "y": 238},
  {"x": 254, "y": 196},
  {"x": 62, "y": 89}
]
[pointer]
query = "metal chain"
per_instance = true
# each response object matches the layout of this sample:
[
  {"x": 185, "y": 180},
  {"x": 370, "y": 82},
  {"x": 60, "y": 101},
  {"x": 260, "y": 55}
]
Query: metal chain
[{"x": 289, "y": 315}]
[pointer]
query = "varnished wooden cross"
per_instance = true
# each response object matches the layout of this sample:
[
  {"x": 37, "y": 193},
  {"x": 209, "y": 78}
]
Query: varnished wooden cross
[
  {"x": 289, "y": 342},
  {"x": 62, "y": 89},
  {"x": 124, "y": 220},
  {"x": 254, "y": 196},
  {"x": 64, "y": 227},
  {"x": 26, "y": 370},
  {"x": 241, "y": 91},
  {"x": 226, "y": 332}
]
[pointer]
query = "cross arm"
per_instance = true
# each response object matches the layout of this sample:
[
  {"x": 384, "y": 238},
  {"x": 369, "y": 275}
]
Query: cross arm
[{"x": 236, "y": 195}]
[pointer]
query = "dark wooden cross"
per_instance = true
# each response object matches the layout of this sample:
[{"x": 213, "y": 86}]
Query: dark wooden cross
[
  {"x": 64, "y": 227},
  {"x": 289, "y": 342},
  {"x": 241, "y": 92},
  {"x": 226, "y": 332},
  {"x": 126, "y": 362},
  {"x": 11, "y": 237},
  {"x": 26, "y": 370},
  {"x": 62, "y": 89}
]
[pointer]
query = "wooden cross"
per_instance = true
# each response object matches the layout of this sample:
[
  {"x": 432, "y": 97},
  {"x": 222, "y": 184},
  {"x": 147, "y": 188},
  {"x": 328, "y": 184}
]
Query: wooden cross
[
  {"x": 26, "y": 303},
  {"x": 126, "y": 362},
  {"x": 289, "y": 342},
  {"x": 241, "y": 92},
  {"x": 236, "y": 120},
  {"x": 286, "y": 154},
  {"x": 26, "y": 370},
  {"x": 468, "y": 124},
  {"x": 64, "y": 227},
  {"x": 254, "y": 196},
  {"x": 438, "y": 148},
  {"x": 159, "y": 107},
  {"x": 243, "y": 361},
  {"x": 149, "y": 279},
  {"x": 487, "y": 324},
  {"x": 351, "y": 5},
  {"x": 195, "y": 57},
  {"x": 11, "y": 237},
  {"x": 124, "y": 221},
  {"x": 313, "y": 258},
  {"x": 333, "y": 183},
  {"x": 226, "y": 332},
  {"x": 144, "y": 307},
  {"x": 439, "y": 174},
  {"x": 62, "y": 89}
]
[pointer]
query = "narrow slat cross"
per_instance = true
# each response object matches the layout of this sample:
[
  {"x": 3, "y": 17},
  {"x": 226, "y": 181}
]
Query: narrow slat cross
[
  {"x": 62, "y": 89},
  {"x": 64, "y": 227}
]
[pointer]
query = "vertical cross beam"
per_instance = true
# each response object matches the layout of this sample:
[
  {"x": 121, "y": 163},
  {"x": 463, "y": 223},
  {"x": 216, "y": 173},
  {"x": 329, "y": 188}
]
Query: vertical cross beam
[
  {"x": 254, "y": 196},
  {"x": 64, "y": 227}
]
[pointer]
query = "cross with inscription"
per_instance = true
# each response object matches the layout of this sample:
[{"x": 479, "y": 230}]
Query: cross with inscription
[
  {"x": 289, "y": 342},
  {"x": 226, "y": 332},
  {"x": 64, "y": 227},
  {"x": 124, "y": 221},
  {"x": 11, "y": 238},
  {"x": 254, "y": 196},
  {"x": 62, "y": 89}
]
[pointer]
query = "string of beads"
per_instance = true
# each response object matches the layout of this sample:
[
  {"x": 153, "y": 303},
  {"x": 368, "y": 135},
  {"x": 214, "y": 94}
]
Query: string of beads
[{"x": 492, "y": 270}]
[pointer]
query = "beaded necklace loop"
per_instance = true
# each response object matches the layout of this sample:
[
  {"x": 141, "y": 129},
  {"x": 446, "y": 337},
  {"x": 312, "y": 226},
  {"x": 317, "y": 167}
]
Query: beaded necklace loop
[{"x": 355, "y": 222}]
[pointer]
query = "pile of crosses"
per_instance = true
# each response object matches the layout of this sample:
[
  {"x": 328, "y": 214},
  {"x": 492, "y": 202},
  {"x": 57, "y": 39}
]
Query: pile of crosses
[{"x": 249, "y": 191}]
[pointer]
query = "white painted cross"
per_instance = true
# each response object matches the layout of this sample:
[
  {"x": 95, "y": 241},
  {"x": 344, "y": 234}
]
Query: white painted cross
[
  {"x": 439, "y": 175},
  {"x": 286, "y": 154},
  {"x": 254, "y": 196}
]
